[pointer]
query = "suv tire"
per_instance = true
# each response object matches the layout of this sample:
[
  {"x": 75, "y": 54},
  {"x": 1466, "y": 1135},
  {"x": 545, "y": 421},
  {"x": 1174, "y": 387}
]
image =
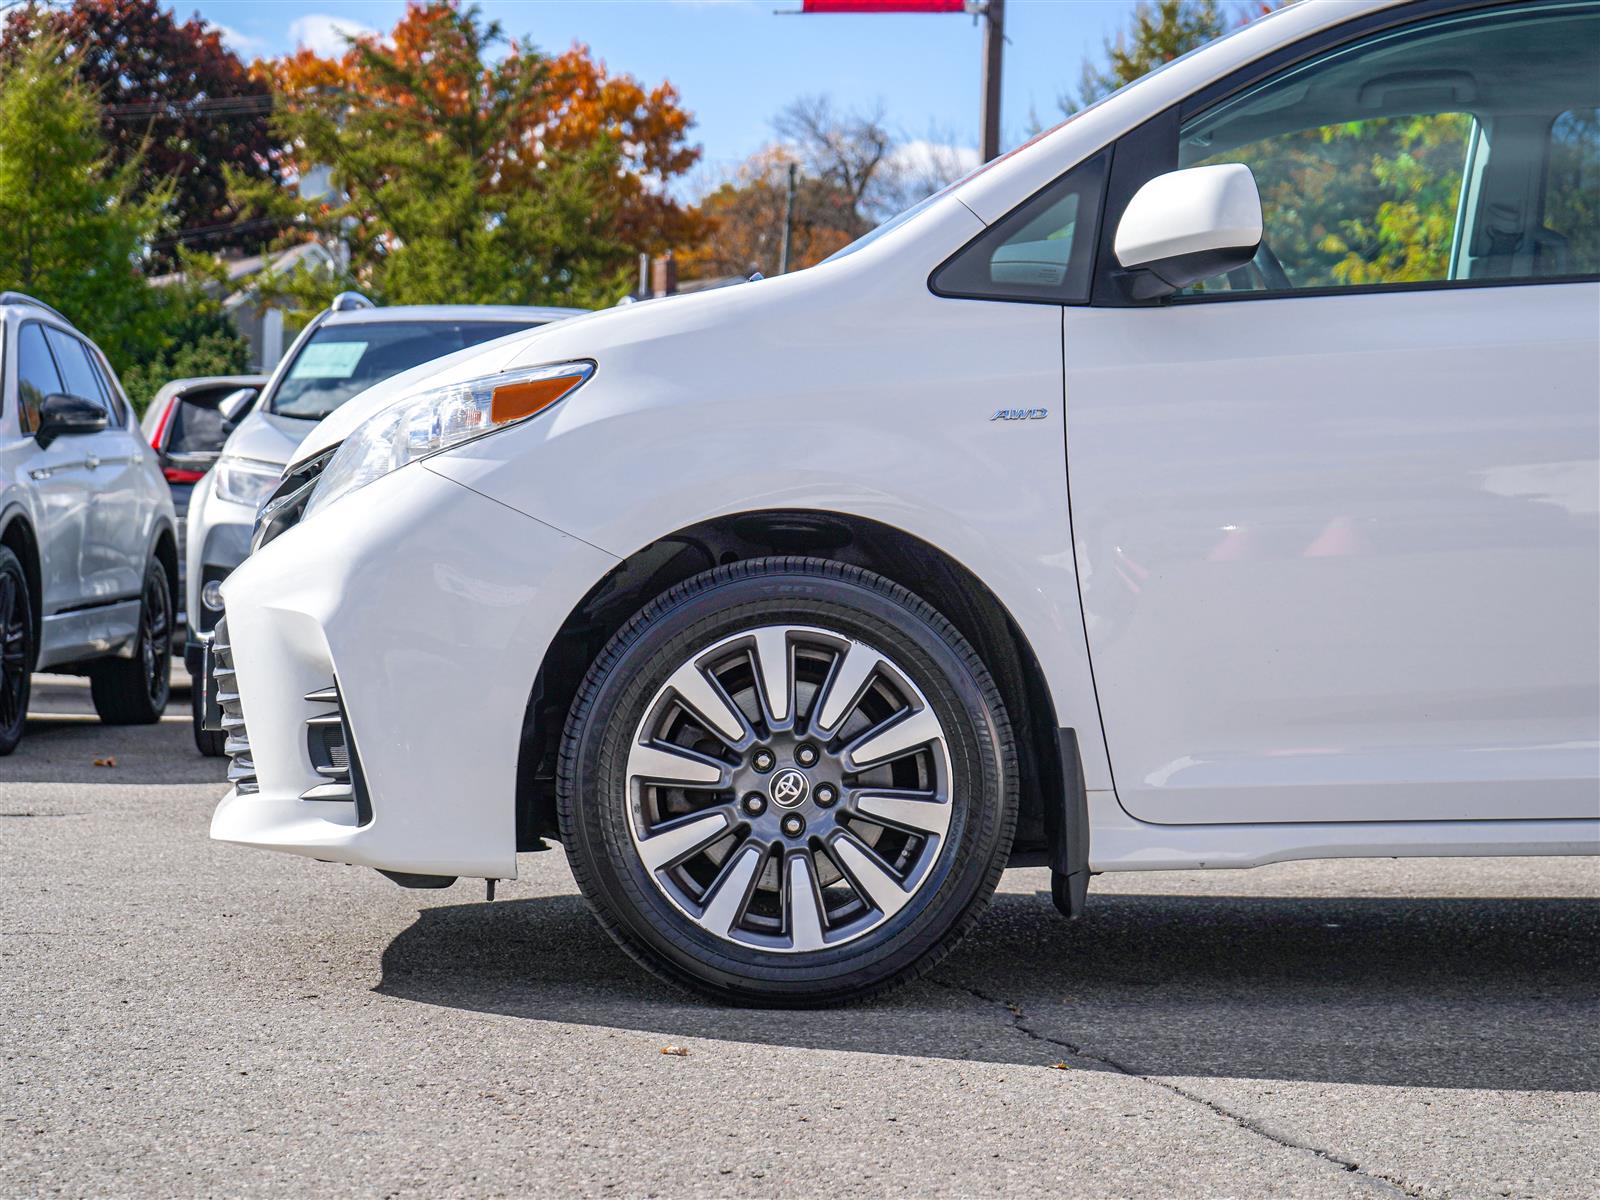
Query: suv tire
[
  {"x": 16, "y": 649},
  {"x": 134, "y": 691}
]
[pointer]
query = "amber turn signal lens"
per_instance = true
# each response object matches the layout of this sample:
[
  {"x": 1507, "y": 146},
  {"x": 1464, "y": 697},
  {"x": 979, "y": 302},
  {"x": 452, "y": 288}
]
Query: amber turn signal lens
[{"x": 513, "y": 401}]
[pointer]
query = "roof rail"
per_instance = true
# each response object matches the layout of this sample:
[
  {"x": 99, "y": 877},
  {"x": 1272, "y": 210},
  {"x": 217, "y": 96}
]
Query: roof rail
[
  {"x": 350, "y": 301},
  {"x": 23, "y": 298}
]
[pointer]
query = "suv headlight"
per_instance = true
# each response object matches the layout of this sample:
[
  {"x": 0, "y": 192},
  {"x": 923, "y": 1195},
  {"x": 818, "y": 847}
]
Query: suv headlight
[
  {"x": 442, "y": 417},
  {"x": 246, "y": 480}
]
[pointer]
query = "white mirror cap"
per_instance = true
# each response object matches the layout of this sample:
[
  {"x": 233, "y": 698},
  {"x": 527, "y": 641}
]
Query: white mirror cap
[{"x": 1193, "y": 211}]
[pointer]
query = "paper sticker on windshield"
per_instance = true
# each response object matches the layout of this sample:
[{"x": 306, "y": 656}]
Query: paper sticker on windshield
[{"x": 328, "y": 360}]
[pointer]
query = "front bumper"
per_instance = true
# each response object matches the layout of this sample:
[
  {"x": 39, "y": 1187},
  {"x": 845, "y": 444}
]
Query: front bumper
[{"x": 429, "y": 609}]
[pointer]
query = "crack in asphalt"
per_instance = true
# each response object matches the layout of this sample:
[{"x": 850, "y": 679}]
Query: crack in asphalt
[{"x": 1019, "y": 1023}]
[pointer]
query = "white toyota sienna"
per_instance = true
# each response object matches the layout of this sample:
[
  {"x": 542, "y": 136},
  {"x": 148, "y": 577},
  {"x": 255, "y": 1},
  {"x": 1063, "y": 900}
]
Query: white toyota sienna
[{"x": 1210, "y": 482}]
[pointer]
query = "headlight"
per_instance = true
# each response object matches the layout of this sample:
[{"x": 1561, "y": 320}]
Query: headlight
[
  {"x": 438, "y": 419},
  {"x": 246, "y": 481}
]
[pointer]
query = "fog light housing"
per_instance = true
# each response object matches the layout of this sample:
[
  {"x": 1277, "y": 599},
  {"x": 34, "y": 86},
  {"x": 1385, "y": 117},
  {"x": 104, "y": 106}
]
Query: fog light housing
[{"x": 211, "y": 595}]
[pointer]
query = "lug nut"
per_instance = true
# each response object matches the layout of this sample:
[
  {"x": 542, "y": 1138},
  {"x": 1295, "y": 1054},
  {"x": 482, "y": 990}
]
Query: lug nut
[
  {"x": 825, "y": 795},
  {"x": 806, "y": 756},
  {"x": 755, "y": 804},
  {"x": 794, "y": 825},
  {"x": 763, "y": 760}
]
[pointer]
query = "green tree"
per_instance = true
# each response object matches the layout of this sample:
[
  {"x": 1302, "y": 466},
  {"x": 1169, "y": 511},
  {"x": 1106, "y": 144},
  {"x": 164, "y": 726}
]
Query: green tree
[
  {"x": 433, "y": 195},
  {"x": 1161, "y": 30},
  {"x": 174, "y": 99},
  {"x": 75, "y": 228},
  {"x": 78, "y": 230}
]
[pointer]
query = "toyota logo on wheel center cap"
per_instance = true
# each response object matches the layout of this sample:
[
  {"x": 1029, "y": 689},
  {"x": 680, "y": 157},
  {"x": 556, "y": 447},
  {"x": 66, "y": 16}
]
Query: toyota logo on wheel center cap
[{"x": 789, "y": 788}]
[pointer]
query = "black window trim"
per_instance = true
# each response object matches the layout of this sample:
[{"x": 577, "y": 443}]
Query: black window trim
[{"x": 1153, "y": 150}]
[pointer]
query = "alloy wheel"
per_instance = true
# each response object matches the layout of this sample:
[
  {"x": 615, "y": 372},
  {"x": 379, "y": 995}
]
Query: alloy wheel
[{"x": 789, "y": 788}]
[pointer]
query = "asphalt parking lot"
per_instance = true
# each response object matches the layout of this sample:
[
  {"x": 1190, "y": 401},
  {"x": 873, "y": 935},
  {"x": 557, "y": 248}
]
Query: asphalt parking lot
[{"x": 182, "y": 1017}]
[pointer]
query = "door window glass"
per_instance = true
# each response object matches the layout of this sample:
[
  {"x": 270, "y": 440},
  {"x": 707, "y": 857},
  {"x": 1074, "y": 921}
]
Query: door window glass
[
  {"x": 36, "y": 374},
  {"x": 1572, "y": 192},
  {"x": 1417, "y": 156},
  {"x": 77, "y": 372}
]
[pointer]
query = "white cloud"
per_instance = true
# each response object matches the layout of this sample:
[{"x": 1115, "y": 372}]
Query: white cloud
[
  {"x": 325, "y": 35},
  {"x": 934, "y": 160},
  {"x": 242, "y": 44}
]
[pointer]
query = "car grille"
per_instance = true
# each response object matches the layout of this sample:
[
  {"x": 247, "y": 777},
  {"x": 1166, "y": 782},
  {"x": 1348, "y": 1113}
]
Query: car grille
[
  {"x": 242, "y": 768},
  {"x": 288, "y": 501}
]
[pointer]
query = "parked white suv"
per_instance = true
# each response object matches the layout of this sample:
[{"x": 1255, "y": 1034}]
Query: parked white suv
[
  {"x": 341, "y": 352},
  {"x": 88, "y": 552},
  {"x": 1210, "y": 482}
]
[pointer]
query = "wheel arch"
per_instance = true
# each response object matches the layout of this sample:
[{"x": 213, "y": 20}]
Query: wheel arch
[
  {"x": 936, "y": 576},
  {"x": 165, "y": 549},
  {"x": 17, "y": 534}
]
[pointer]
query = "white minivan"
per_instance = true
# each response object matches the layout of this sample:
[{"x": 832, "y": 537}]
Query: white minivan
[{"x": 1210, "y": 482}]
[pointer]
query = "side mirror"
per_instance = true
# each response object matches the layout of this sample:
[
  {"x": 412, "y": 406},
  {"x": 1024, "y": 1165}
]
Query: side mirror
[
  {"x": 1186, "y": 226},
  {"x": 61, "y": 415},
  {"x": 233, "y": 407}
]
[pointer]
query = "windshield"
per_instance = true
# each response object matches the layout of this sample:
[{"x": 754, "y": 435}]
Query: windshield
[{"x": 337, "y": 361}]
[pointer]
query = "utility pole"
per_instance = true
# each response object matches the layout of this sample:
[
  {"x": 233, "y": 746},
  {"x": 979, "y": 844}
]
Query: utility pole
[
  {"x": 788, "y": 223},
  {"x": 993, "y": 16},
  {"x": 991, "y": 12}
]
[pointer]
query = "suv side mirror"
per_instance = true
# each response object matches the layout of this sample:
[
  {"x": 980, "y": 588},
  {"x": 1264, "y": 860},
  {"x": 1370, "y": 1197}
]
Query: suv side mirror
[
  {"x": 233, "y": 407},
  {"x": 1186, "y": 226},
  {"x": 61, "y": 415}
]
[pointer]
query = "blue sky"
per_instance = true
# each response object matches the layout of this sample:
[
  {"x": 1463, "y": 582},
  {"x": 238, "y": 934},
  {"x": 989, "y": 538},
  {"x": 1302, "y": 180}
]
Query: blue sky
[{"x": 736, "y": 63}]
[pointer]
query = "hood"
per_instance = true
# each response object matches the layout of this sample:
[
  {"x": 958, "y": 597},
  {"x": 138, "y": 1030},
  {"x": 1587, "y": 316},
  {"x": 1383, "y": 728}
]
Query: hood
[
  {"x": 266, "y": 437},
  {"x": 779, "y": 311}
]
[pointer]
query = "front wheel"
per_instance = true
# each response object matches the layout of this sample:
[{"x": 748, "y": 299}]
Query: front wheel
[
  {"x": 788, "y": 782},
  {"x": 134, "y": 691}
]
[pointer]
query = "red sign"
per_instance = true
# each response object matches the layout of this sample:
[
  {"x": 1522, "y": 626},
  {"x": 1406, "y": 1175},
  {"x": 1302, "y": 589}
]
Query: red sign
[{"x": 883, "y": 6}]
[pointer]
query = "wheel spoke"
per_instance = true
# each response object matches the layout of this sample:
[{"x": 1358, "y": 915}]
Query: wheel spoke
[
  {"x": 805, "y": 905},
  {"x": 912, "y": 810},
  {"x": 680, "y": 840},
  {"x": 843, "y": 689},
  {"x": 892, "y": 741},
  {"x": 725, "y": 899},
  {"x": 676, "y": 765},
  {"x": 706, "y": 701},
  {"x": 774, "y": 670},
  {"x": 868, "y": 874}
]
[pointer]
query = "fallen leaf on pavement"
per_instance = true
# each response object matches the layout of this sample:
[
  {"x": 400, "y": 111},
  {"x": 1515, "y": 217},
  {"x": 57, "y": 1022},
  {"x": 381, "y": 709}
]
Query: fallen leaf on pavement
[
  {"x": 108, "y": 761},
  {"x": 1060, "y": 1066},
  {"x": 676, "y": 1051}
]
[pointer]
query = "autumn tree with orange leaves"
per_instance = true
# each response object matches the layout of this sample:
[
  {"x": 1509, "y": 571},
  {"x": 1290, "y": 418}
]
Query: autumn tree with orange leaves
[{"x": 461, "y": 177}]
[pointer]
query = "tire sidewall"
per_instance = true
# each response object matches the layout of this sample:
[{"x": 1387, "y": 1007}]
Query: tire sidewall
[
  {"x": 11, "y": 565},
  {"x": 726, "y": 603}
]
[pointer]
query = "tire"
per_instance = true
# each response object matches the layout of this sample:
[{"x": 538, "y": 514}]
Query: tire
[
  {"x": 16, "y": 650},
  {"x": 208, "y": 741},
  {"x": 134, "y": 691},
  {"x": 735, "y": 901}
]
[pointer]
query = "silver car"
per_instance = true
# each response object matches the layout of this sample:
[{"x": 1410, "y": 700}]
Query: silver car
[
  {"x": 343, "y": 351},
  {"x": 88, "y": 539}
]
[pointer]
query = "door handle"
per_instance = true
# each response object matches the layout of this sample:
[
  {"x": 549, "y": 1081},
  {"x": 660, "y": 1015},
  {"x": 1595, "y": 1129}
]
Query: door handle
[{"x": 92, "y": 462}]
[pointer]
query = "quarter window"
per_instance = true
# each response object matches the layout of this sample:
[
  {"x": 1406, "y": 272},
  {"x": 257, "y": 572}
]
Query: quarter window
[
  {"x": 1452, "y": 151},
  {"x": 1043, "y": 250}
]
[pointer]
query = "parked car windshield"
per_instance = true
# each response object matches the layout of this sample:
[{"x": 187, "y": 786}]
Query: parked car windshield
[{"x": 338, "y": 361}]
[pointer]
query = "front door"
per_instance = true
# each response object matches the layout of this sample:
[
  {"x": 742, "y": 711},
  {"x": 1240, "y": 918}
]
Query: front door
[{"x": 1336, "y": 514}]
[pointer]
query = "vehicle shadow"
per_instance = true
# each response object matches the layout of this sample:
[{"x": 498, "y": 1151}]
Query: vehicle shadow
[{"x": 1452, "y": 993}]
